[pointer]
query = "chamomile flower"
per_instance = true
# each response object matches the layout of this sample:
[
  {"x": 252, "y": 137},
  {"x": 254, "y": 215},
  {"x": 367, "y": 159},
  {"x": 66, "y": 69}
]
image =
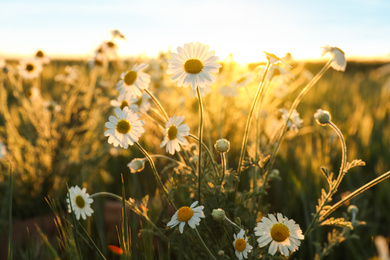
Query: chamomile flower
[
  {"x": 272, "y": 58},
  {"x": 124, "y": 129},
  {"x": 51, "y": 105},
  {"x": 174, "y": 134},
  {"x": 33, "y": 94},
  {"x": 244, "y": 80},
  {"x": 133, "y": 81},
  {"x": 140, "y": 104},
  {"x": 42, "y": 57},
  {"x": 322, "y": 117},
  {"x": 117, "y": 34},
  {"x": 29, "y": 69},
  {"x": 79, "y": 202},
  {"x": 339, "y": 62},
  {"x": 282, "y": 233},
  {"x": 110, "y": 48},
  {"x": 122, "y": 101},
  {"x": 193, "y": 66},
  {"x": 294, "y": 122},
  {"x": 241, "y": 245},
  {"x": 190, "y": 215}
]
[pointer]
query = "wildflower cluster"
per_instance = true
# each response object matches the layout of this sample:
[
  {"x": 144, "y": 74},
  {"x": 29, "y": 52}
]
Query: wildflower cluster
[{"x": 230, "y": 209}]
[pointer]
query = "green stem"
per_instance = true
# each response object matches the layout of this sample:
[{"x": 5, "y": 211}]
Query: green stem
[
  {"x": 158, "y": 104},
  {"x": 208, "y": 152},
  {"x": 344, "y": 156},
  {"x": 207, "y": 249},
  {"x": 231, "y": 222},
  {"x": 355, "y": 193},
  {"x": 200, "y": 141},
  {"x": 156, "y": 175},
  {"x": 338, "y": 181},
  {"x": 294, "y": 106},
  {"x": 247, "y": 126},
  {"x": 169, "y": 158},
  {"x": 223, "y": 162},
  {"x": 10, "y": 217}
]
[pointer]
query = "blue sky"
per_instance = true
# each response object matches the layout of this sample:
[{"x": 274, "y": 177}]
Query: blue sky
[{"x": 244, "y": 28}]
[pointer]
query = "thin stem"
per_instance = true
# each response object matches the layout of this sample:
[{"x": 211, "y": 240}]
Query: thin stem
[
  {"x": 156, "y": 175},
  {"x": 234, "y": 224},
  {"x": 208, "y": 152},
  {"x": 10, "y": 250},
  {"x": 339, "y": 177},
  {"x": 169, "y": 158},
  {"x": 158, "y": 104},
  {"x": 356, "y": 192},
  {"x": 294, "y": 106},
  {"x": 223, "y": 162},
  {"x": 200, "y": 141},
  {"x": 247, "y": 126},
  {"x": 207, "y": 249},
  {"x": 344, "y": 156}
]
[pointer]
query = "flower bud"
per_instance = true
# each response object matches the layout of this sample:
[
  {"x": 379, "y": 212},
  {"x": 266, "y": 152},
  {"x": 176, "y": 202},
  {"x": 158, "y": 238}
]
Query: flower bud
[
  {"x": 136, "y": 165},
  {"x": 218, "y": 215},
  {"x": 222, "y": 145},
  {"x": 322, "y": 117}
]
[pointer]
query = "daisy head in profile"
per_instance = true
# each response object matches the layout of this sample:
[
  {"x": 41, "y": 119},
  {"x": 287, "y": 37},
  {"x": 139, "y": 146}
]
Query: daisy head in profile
[
  {"x": 241, "y": 245},
  {"x": 79, "y": 202},
  {"x": 193, "y": 66},
  {"x": 190, "y": 215},
  {"x": 132, "y": 82},
  {"x": 117, "y": 34},
  {"x": 339, "y": 62},
  {"x": 124, "y": 128},
  {"x": 174, "y": 133},
  {"x": 281, "y": 233},
  {"x": 140, "y": 104},
  {"x": 30, "y": 69}
]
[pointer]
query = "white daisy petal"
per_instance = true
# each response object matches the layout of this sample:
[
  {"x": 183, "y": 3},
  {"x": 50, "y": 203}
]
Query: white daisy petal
[{"x": 79, "y": 201}]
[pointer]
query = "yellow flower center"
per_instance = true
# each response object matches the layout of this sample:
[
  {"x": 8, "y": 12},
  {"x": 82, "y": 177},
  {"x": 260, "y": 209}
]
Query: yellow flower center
[
  {"x": 39, "y": 54},
  {"x": 130, "y": 77},
  {"x": 98, "y": 62},
  {"x": 193, "y": 66},
  {"x": 172, "y": 132},
  {"x": 30, "y": 67},
  {"x": 123, "y": 126},
  {"x": 240, "y": 245},
  {"x": 184, "y": 214},
  {"x": 280, "y": 232},
  {"x": 110, "y": 44},
  {"x": 80, "y": 202},
  {"x": 124, "y": 104}
]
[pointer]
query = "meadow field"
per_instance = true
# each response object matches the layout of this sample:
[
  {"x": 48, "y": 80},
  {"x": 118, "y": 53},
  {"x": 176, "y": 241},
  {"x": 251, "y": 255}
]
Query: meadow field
[{"x": 289, "y": 152}]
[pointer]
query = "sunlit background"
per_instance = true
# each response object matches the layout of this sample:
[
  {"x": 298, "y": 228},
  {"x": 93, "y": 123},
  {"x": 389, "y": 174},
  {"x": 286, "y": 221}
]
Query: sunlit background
[{"x": 244, "y": 28}]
